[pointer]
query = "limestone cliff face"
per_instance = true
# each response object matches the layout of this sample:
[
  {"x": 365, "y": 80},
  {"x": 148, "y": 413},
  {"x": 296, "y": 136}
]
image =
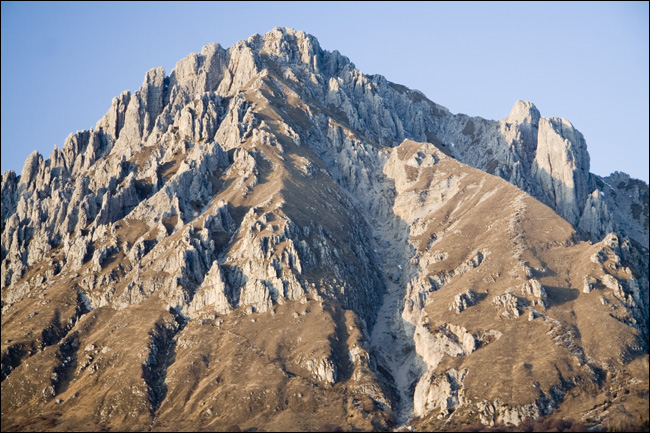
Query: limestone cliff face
[
  {"x": 561, "y": 166},
  {"x": 269, "y": 202}
]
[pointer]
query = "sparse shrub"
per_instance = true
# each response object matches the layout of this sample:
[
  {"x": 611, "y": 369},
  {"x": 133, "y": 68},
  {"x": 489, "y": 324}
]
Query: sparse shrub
[
  {"x": 559, "y": 424},
  {"x": 577, "y": 427}
]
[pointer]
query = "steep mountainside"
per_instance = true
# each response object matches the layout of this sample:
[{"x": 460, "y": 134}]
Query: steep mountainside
[{"x": 269, "y": 238}]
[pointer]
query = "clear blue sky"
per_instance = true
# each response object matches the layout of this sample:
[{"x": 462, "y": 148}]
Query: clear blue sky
[{"x": 62, "y": 63}]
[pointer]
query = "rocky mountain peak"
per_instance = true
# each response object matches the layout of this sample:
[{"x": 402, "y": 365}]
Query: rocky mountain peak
[
  {"x": 269, "y": 231},
  {"x": 288, "y": 45},
  {"x": 523, "y": 112}
]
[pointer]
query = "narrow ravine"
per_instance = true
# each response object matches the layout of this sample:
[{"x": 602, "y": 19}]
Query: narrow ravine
[
  {"x": 395, "y": 351},
  {"x": 373, "y": 193},
  {"x": 391, "y": 338}
]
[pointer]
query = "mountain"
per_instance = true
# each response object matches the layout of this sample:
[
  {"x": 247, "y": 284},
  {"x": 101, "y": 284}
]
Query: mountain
[{"x": 266, "y": 238}]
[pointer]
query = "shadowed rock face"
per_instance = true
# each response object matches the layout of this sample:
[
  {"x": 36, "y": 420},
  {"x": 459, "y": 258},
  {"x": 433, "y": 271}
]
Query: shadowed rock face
[{"x": 269, "y": 238}]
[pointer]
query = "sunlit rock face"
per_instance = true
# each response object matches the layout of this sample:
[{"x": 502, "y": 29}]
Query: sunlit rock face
[{"x": 268, "y": 238}]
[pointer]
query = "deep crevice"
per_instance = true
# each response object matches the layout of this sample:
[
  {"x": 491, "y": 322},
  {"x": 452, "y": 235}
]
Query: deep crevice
[
  {"x": 339, "y": 344},
  {"x": 13, "y": 357},
  {"x": 63, "y": 373},
  {"x": 162, "y": 353}
]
